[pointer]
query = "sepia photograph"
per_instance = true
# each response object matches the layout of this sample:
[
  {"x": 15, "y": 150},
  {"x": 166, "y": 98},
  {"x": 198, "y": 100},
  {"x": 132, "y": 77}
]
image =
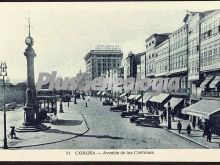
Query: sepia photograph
[{"x": 121, "y": 79}]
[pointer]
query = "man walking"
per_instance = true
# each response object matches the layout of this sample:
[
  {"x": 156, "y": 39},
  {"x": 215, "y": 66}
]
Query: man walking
[
  {"x": 172, "y": 114},
  {"x": 194, "y": 125},
  {"x": 161, "y": 116},
  {"x": 179, "y": 127},
  {"x": 209, "y": 135},
  {"x": 188, "y": 128}
]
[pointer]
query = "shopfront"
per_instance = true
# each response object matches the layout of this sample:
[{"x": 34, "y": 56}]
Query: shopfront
[
  {"x": 176, "y": 105},
  {"x": 206, "y": 111},
  {"x": 158, "y": 102}
]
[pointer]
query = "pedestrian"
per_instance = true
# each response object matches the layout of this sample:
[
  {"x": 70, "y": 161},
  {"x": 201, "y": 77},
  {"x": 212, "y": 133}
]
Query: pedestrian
[
  {"x": 165, "y": 115},
  {"x": 157, "y": 113},
  {"x": 209, "y": 135},
  {"x": 12, "y": 133},
  {"x": 179, "y": 127},
  {"x": 194, "y": 125},
  {"x": 188, "y": 128},
  {"x": 161, "y": 116},
  {"x": 205, "y": 130},
  {"x": 172, "y": 114}
]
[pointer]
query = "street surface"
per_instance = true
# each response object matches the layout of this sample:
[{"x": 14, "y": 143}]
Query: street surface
[{"x": 107, "y": 130}]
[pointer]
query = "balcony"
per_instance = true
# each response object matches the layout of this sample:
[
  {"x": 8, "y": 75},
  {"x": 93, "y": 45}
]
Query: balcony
[
  {"x": 210, "y": 93},
  {"x": 181, "y": 92}
]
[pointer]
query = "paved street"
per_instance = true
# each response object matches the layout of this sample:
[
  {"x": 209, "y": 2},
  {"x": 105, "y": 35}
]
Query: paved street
[{"x": 107, "y": 130}]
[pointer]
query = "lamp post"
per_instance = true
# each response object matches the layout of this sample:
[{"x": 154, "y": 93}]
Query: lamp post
[
  {"x": 75, "y": 98},
  {"x": 61, "y": 101},
  {"x": 3, "y": 73},
  {"x": 169, "y": 116},
  {"x": 142, "y": 102}
]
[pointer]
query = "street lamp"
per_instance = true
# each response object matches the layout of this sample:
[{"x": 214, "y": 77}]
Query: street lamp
[
  {"x": 3, "y": 73},
  {"x": 169, "y": 116},
  {"x": 61, "y": 101},
  {"x": 75, "y": 98},
  {"x": 142, "y": 101}
]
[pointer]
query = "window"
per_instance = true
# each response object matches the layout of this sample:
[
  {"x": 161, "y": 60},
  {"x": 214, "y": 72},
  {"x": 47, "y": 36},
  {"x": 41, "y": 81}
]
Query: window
[
  {"x": 215, "y": 55},
  {"x": 197, "y": 48},
  {"x": 209, "y": 33},
  {"x": 205, "y": 58},
  {"x": 210, "y": 57}
]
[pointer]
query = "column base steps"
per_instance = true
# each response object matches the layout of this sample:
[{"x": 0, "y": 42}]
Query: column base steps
[{"x": 34, "y": 128}]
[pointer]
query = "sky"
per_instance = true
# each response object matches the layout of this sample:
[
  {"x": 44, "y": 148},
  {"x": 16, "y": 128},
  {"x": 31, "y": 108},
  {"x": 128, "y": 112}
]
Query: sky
[{"x": 65, "y": 32}]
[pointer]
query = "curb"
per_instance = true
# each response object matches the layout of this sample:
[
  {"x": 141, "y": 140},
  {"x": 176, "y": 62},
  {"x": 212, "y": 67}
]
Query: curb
[
  {"x": 80, "y": 134},
  {"x": 187, "y": 138}
]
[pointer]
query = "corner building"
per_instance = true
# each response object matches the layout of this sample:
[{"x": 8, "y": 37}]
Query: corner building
[{"x": 102, "y": 59}]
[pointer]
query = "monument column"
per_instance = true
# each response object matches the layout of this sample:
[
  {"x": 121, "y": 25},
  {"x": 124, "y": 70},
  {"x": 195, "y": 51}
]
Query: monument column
[{"x": 31, "y": 109}]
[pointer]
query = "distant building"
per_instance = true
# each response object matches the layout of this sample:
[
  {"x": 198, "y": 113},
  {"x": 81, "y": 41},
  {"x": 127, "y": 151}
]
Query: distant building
[
  {"x": 133, "y": 65},
  {"x": 102, "y": 59}
]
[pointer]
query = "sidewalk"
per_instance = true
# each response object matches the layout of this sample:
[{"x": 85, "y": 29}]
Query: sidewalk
[
  {"x": 70, "y": 124},
  {"x": 195, "y": 136}
]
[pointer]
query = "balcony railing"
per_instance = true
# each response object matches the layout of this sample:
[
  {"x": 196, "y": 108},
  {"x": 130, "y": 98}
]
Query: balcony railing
[{"x": 210, "y": 93}]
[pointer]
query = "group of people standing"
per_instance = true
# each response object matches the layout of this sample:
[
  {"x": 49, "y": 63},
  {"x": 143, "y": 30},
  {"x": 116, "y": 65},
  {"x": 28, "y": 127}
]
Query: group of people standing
[{"x": 206, "y": 131}]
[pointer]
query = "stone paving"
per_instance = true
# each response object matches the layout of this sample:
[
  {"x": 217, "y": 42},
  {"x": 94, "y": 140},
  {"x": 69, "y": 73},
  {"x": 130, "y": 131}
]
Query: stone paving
[
  {"x": 69, "y": 125},
  {"x": 195, "y": 136}
]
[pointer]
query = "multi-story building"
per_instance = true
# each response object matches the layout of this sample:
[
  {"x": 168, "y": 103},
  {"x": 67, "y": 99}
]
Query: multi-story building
[
  {"x": 151, "y": 43},
  {"x": 191, "y": 53},
  {"x": 102, "y": 59},
  {"x": 178, "y": 56},
  {"x": 162, "y": 59},
  {"x": 133, "y": 64},
  {"x": 210, "y": 54},
  {"x": 192, "y": 19}
]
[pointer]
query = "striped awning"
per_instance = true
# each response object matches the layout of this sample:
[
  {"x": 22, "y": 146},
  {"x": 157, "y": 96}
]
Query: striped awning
[
  {"x": 205, "y": 82},
  {"x": 203, "y": 108},
  {"x": 215, "y": 82},
  {"x": 137, "y": 97},
  {"x": 146, "y": 98},
  {"x": 131, "y": 97},
  {"x": 123, "y": 95},
  {"x": 173, "y": 102},
  {"x": 159, "y": 98}
]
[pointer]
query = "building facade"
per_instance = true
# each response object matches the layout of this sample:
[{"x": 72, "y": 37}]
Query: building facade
[
  {"x": 210, "y": 55},
  {"x": 151, "y": 43},
  {"x": 191, "y": 53},
  {"x": 133, "y": 65},
  {"x": 102, "y": 59},
  {"x": 162, "y": 59}
]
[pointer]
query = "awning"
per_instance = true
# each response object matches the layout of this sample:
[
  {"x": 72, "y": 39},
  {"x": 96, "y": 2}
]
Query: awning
[
  {"x": 215, "y": 82},
  {"x": 48, "y": 97},
  {"x": 146, "y": 97},
  {"x": 173, "y": 102},
  {"x": 205, "y": 82},
  {"x": 123, "y": 94},
  {"x": 137, "y": 97},
  {"x": 159, "y": 98},
  {"x": 131, "y": 97},
  {"x": 203, "y": 108}
]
